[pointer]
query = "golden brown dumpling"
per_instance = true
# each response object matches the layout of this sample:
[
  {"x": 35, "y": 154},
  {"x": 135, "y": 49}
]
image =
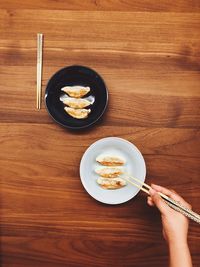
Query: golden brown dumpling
[
  {"x": 76, "y": 91},
  {"x": 76, "y": 102},
  {"x": 115, "y": 183},
  {"x": 109, "y": 172},
  {"x": 78, "y": 113},
  {"x": 109, "y": 160}
]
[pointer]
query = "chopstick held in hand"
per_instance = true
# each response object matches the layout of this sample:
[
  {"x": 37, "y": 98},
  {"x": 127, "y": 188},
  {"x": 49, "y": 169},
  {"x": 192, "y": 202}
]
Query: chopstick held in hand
[{"x": 169, "y": 201}]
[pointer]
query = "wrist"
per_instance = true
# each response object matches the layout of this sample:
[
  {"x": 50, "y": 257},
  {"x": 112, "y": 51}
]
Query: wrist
[
  {"x": 176, "y": 239},
  {"x": 178, "y": 243}
]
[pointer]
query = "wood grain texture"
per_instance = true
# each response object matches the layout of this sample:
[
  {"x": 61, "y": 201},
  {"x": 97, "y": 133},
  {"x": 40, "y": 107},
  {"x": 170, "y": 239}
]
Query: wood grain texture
[
  {"x": 148, "y": 53},
  {"x": 123, "y": 57},
  {"x": 105, "y": 5}
]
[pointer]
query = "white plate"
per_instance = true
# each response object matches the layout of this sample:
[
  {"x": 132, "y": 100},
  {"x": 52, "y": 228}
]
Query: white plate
[{"x": 135, "y": 166}]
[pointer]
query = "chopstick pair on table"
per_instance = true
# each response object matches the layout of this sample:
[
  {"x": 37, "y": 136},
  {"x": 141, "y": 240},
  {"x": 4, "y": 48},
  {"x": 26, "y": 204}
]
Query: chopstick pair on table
[
  {"x": 169, "y": 201},
  {"x": 39, "y": 69}
]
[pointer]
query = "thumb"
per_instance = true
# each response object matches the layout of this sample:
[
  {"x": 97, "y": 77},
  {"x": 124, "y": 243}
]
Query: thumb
[{"x": 159, "y": 202}]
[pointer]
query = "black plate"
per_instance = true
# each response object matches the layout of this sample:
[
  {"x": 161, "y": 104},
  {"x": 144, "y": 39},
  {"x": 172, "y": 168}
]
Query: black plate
[{"x": 76, "y": 75}]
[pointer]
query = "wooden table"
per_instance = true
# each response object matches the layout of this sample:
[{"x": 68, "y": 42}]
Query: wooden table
[{"x": 148, "y": 53}]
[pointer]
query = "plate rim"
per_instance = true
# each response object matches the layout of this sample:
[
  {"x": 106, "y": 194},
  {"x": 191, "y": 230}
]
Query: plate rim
[
  {"x": 76, "y": 127},
  {"x": 90, "y": 147}
]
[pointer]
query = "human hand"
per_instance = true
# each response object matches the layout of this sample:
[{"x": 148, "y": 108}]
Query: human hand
[{"x": 175, "y": 225}]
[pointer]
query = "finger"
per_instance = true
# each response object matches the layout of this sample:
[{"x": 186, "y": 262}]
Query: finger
[
  {"x": 150, "y": 201},
  {"x": 159, "y": 202},
  {"x": 171, "y": 193},
  {"x": 162, "y": 189},
  {"x": 175, "y": 193},
  {"x": 182, "y": 200},
  {"x": 166, "y": 191}
]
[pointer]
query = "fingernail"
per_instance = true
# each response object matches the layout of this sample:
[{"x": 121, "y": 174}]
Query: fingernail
[{"x": 152, "y": 192}]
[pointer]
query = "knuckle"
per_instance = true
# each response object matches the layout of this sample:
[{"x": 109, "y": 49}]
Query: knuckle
[{"x": 173, "y": 191}]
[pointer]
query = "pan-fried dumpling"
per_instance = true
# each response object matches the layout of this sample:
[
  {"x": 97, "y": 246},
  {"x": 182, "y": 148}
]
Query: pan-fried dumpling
[
  {"x": 77, "y": 113},
  {"x": 76, "y": 102},
  {"x": 109, "y": 172},
  {"x": 76, "y": 91},
  {"x": 109, "y": 160},
  {"x": 115, "y": 183}
]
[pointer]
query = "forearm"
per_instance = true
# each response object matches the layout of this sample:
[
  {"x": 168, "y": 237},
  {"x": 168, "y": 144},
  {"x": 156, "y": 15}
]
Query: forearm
[{"x": 179, "y": 255}]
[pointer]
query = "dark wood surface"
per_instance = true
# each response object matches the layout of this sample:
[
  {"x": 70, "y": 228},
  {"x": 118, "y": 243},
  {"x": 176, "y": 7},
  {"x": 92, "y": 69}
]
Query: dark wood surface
[{"x": 148, "y": 53}]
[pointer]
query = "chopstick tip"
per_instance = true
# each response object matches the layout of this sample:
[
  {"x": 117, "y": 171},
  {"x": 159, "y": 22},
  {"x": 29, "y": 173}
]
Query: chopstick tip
[{"x": 40, "y": 34}]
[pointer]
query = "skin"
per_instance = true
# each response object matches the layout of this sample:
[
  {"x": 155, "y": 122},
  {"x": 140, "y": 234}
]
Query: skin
[{"x": 175, "y": 226}]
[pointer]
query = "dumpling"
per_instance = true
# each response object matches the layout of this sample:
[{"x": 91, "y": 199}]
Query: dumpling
[
  {"x": 77, "y": 113},
  {"x": 115, "y": 183},
  {"x": 109, "y": 172},
  {"x": 76, "y": 91},
  {"x": 107, "y": 160},
  {"x": 76, "y": 102}
]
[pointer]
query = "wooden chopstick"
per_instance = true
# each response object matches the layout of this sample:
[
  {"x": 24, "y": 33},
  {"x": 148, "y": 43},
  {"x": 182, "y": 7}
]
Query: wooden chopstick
[
  {"x": 140, "y": 187},
  {"x": 39, "y": 69},
  {"x": 170, "y": 202}
]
